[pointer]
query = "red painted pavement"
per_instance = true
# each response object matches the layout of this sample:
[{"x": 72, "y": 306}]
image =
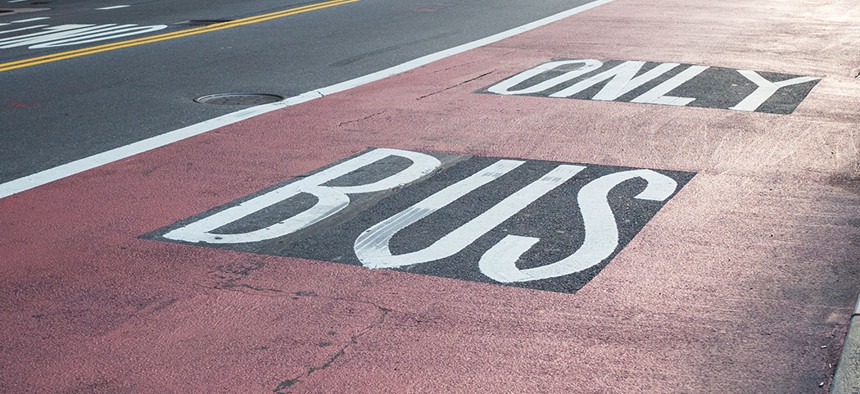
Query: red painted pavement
[{"x": 737, "y": 285}]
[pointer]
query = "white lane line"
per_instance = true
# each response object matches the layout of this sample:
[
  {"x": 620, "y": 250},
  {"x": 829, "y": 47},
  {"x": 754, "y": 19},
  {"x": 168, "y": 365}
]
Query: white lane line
[
  {"x": 113, "y": 7},
  {"x": 78, "y": 166},
  {"x": 17, "y": 1},
  {"x": 22, "y": 29},
  {"x": 41, "y": 18},
  {"x": 3, "y": 24}
]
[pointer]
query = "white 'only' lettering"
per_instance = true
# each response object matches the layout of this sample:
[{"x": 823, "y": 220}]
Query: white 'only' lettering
[{"x": 623, "y": 79}]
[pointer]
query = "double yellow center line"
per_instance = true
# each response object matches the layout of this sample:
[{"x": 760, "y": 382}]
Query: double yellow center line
[{"x": 169, "y": 36}]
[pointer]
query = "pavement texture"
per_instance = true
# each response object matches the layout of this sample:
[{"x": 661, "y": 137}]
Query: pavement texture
[{"x": 743, "y": 282}]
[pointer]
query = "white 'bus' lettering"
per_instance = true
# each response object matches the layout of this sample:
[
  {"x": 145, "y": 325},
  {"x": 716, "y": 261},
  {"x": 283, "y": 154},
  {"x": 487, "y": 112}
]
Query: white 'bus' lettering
[{"x": 372, "y": 246}]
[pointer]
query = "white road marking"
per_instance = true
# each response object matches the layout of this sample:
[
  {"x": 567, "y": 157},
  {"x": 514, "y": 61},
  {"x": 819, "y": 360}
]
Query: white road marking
[
  {"x": 657, "y": 95},
  {"x": 17, "y": 1},
  {"x": 599, "y": 222},
  {"x": 372, "y": 246},
  {"x": 115, "y": 7},
  {"x": 330, "y": 200},
  {"x": 105, "y": 33},
  {"x": 765, "y": 89},
  {"x": 505, "y": 86},
  {"x": 48, "y": 34},
  {"x": 22, "y": 29},
  {"x": 41, "y": 18},
  {"x": 622, "y": 79},
  {"x": 78, "y": 166},
  {"x": 65, "y": 35}
]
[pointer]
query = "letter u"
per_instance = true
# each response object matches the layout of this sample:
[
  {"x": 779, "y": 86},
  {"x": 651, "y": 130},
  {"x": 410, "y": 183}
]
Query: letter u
[
  {"x": 372, "y": 246},
  {"x": 601, "y": 231}
]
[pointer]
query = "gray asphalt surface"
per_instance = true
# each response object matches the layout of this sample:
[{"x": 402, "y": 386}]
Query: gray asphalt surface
[{"x": 54, "y": 113}]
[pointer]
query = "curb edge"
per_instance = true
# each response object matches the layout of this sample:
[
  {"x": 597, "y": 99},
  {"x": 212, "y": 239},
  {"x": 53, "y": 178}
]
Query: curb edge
[{"x": 847, "y": 377}]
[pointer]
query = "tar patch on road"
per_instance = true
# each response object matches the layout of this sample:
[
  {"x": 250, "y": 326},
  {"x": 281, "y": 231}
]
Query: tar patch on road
[
  {"x": 661, "y": 83},
  {"x": 529, "y": 223}
]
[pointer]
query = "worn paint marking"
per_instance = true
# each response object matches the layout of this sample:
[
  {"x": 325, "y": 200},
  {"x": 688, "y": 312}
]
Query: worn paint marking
[
  {"x": 71, "y": 34},
  {"x": 528, "y": 223},
  {"x": 660, "y": 83},
  {"x": 114, "y": 7}
]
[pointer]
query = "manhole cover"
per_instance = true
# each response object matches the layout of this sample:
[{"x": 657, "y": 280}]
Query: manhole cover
[{"x": 239, "y": 99}]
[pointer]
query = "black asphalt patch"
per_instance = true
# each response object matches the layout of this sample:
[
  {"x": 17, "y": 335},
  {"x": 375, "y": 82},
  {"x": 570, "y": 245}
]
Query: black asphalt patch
[
  {"x": 661, "y": 83},
  {"x": 553, "y": 215}
]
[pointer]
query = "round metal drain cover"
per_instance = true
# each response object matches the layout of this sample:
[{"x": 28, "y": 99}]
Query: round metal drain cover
[{"x": 239, "y": 98}]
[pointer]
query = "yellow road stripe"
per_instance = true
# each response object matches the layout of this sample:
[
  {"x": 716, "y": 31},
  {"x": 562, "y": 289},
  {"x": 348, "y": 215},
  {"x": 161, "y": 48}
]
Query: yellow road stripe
[
  {"x": 198, "y": 30},
  {"x": 169, "y": 36}
]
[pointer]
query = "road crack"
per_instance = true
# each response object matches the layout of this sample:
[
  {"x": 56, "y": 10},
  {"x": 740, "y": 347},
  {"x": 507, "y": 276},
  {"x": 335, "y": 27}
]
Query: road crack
[
  {"x": 285, "y": 385},
  {"x": 229, "y": 277},
  {"x": 457, "y": 85},
  {"x": 449, "y": 68},
  {"x": 341, "y": 124}
]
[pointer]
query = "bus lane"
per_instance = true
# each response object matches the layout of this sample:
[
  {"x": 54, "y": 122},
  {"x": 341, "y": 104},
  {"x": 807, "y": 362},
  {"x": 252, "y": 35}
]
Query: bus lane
[{"x": 620, "y": 201}]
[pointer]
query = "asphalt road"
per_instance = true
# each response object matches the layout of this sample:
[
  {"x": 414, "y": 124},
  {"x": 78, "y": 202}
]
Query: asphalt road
[
  {"x": 54, "y": 113},
  {"x": 618, "y": 200}
]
